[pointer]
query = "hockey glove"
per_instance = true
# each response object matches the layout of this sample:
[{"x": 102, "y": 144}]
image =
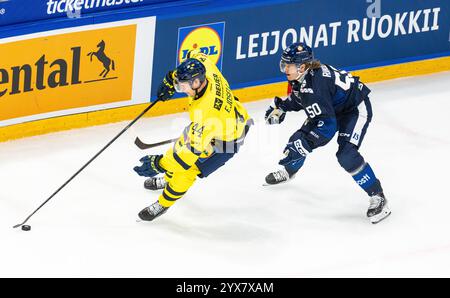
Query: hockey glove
[
  {"x": 295, "y": 150},
  {"x": 166, "y": 89},
  {"x": 150, "y": 166},
  {"x": 274, "y": 114}
]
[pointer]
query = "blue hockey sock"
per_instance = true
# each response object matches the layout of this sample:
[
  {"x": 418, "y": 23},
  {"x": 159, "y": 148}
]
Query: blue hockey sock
[
  {"x": 366, "y": 179},
  {"x": 294, "y": 166}
]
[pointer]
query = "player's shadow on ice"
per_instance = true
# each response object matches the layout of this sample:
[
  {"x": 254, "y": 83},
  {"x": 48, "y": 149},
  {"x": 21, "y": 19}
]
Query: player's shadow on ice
[
  {"x": 225, "y": 231},
  {"x": 350, "y": 217},
  {"x": 224, "y": 224}
]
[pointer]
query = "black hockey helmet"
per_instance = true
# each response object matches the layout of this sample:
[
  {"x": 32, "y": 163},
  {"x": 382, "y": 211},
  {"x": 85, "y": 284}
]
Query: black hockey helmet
[
  {"x": 190, "y": 70},
  {"x": 297, "y": 53}
]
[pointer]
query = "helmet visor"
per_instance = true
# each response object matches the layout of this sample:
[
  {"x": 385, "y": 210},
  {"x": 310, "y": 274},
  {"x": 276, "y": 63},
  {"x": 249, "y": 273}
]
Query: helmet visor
[
  {"x": 181, "y": 86},
  {"x": 287, "y": 68},
  {"x": 283, "y": 65}
]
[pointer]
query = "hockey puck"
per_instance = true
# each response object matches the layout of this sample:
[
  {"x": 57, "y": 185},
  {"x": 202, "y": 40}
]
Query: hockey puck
[{"x": 26, "y": 228}]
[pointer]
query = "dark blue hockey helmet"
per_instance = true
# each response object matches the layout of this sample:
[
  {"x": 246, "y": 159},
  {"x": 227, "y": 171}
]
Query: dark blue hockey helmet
[
  {"x": 190, "y": 70},
  {"x": 297, "y": 53}
]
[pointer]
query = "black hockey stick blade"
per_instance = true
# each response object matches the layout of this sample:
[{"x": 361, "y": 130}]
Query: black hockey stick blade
[{"x": 144, "y": 146}]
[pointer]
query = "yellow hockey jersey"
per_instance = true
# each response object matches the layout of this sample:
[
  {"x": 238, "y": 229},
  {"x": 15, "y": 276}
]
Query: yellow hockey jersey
[{"x": 218, "y": 122}]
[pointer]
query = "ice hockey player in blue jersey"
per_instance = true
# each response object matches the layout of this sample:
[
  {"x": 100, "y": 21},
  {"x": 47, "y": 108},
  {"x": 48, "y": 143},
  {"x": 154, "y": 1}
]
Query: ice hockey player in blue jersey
[{"x": 334, "y": 102}]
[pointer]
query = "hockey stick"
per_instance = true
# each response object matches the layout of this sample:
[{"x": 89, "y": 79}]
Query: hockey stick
[
  {"x": 91, "y": 160},
  {"x": 144, "y": 146}
]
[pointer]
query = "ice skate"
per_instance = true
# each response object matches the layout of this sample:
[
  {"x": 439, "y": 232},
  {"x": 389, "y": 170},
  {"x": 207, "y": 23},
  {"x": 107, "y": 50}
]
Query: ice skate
[
  {"x": 153, "y": 211},
  {"x": 277, "y": 177},
  {"x": 155, "y": 183},
  {"x": 378, "y": 209}
]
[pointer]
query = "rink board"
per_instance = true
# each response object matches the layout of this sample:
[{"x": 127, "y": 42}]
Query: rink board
[
  {"x": 180, "y": 105},
  {"x": 56, "y": 86}
]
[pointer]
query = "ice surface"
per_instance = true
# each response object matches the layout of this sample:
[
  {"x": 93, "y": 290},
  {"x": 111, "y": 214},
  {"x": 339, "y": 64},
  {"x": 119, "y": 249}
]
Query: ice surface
[{"x": 229, "y": 225}]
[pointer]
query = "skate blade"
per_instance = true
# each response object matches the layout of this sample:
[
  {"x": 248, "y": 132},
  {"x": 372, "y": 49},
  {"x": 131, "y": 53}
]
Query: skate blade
[
  {"x": 379, "y": 217},
  {"x": 290, "y": 179},
  {"x": 267, "y": 184}
]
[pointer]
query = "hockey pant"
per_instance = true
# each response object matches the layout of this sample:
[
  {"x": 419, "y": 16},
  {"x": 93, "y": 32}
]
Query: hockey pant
[{"x": 178, "y": 183}]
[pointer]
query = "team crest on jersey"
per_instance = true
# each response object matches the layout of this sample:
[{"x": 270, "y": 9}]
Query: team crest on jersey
[
  {"x": 303, "y": 88},
  {"x": 325, "y": 71},
  {"x": 208, "y": 38}
]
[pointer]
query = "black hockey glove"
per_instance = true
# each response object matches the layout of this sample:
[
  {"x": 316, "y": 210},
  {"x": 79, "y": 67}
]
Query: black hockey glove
[
  {"x": 274, "y": 114},
  {"x": 166, "y": 89},
  {"x": 296, "y": 149},
  {"x": 150, "y": 166}
]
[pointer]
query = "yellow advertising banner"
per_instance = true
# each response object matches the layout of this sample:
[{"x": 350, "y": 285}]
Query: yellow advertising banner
[{"x": 72, "y": 70}]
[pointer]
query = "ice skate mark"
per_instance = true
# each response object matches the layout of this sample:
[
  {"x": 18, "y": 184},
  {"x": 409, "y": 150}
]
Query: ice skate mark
[
  {"x": 107, "y": 62},
  {"x": 414, "y": 136}
]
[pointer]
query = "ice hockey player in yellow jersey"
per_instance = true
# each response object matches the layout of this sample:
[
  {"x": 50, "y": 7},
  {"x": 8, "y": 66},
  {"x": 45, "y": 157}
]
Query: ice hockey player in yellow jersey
[{"x": 219, "y": 124}]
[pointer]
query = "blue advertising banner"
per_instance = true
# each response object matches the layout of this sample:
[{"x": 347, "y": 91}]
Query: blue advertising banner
[{"x": 351, "y": 34}]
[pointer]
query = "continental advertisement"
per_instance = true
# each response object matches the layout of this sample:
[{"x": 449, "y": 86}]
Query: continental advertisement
[
  {"x": 66, "y": 71},
  {"x": 75, "y": 71}
]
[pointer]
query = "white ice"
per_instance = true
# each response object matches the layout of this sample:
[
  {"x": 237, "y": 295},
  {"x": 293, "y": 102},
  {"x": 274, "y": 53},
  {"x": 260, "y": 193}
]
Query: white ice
[{"x": 229, "y": 225}]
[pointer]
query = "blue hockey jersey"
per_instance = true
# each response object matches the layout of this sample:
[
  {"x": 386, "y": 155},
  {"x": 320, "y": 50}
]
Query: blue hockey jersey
[{"x": 325, "y": 94}]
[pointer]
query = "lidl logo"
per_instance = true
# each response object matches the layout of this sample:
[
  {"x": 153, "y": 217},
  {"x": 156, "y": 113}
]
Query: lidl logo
[{"x": 208, "y": 38}]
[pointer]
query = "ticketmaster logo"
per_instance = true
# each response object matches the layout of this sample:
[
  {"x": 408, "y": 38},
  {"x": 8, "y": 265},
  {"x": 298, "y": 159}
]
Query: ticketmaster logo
[{"x": 67, "y": 6}]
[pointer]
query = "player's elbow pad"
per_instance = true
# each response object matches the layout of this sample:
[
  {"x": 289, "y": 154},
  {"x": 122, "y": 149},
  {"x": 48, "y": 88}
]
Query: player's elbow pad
[
  {"x": 289, "y": 104},
  {"x": 282, "y": 104}
]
